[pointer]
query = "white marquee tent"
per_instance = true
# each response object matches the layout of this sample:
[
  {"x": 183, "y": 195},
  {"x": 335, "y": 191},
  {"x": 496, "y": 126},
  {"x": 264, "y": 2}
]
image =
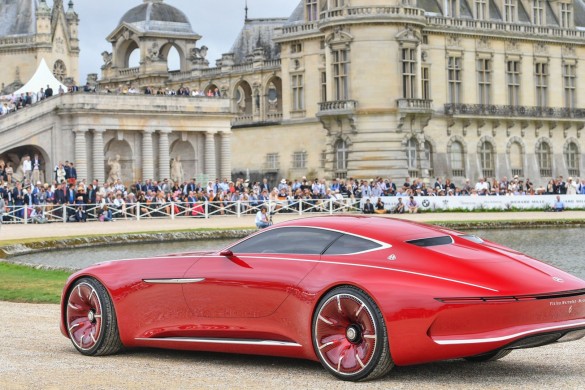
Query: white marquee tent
[{"x": 42, "y": 77}]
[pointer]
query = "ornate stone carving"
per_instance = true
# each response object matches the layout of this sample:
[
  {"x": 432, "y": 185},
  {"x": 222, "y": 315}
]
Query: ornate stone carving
[
  {"x": 568, "y": 51},
  {"x": 107, "y": 58},
  {"x": 453, "y": 41},
  {"x": 483, "y": 43},
  {"x": 540, "y": 48},
  {"x": 153, "y": 53},
  {"x": 512, "y": 46}
]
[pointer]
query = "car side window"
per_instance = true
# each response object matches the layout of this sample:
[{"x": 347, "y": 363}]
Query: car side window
[
  {"x": 348, "y": 244},
  {"x": 297, "y": 240}
]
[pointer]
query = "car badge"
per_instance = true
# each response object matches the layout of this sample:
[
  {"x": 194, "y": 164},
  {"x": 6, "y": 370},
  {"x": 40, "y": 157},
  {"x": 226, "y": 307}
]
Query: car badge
[
  {"x": 392, "y": 257},
  {"x": 558, "y": 280}
]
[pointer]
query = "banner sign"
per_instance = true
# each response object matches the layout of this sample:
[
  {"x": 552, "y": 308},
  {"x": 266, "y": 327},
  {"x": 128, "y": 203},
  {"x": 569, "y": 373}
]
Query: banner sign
[{"x": 432, "y": 203}]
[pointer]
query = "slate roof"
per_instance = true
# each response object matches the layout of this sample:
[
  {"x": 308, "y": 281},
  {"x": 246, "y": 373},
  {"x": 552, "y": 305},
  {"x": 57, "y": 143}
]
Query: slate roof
[
  {"x": 157, "y": 16},
  {"x": 257, "y": 33}
]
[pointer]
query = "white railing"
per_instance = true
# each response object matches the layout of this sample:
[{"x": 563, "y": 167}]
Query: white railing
[{"x": 173, "y": 210}]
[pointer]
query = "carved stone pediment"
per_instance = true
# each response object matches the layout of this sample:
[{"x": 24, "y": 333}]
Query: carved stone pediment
[
  {"x": 409, "y": 35},
  {"x": 540, "y": 48},
  {"x": 512, "y": 46}
]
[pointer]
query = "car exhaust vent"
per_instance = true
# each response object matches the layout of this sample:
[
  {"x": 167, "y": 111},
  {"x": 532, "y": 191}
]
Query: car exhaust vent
[
  {"x": 434, "y": 241},
  {"x": 517, "y": 298}
]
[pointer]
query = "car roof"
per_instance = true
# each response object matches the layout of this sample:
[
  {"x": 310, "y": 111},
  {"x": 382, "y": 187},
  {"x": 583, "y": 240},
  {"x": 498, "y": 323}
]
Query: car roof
[{"x": 378, "y": 228}]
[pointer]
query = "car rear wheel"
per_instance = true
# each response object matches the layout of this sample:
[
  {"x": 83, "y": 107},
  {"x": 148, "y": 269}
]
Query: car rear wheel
[
  {"x": 489, "y": 357},
  {"x": 349, "y": 335},
  {"x": 91, "y": 319}
]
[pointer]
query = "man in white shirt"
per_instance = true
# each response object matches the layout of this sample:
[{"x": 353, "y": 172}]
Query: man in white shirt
[{"x": 27, "y": 167}]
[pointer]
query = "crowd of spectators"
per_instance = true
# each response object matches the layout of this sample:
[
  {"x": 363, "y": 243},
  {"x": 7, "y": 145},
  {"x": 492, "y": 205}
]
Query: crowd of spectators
[
  {"x": 16, "y": 102},
  {"x": 112, "y": 200}
]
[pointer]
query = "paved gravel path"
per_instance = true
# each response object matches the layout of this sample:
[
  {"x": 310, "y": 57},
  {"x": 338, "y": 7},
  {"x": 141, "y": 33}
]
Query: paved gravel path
[{"x": 34, "y": 355}]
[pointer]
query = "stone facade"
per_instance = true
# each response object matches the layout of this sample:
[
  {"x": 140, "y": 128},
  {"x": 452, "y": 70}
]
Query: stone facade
[
  {"x": 30, "y": 32},
  {"x": 146, "y": 132},
  {"x": 404, "y": 88}
]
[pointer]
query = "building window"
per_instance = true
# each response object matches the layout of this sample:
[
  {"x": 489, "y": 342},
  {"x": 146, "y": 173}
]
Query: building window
[
  {"x": 454, "y": 79},
  {"x": 516, "y": 159},
  {"x": 457, "y": 159},
  {"x": 543, "y": 155},
  {"x": 538, "y": 12},
  {"x": 323, "y": 86},
  {"x": 573, "y": 159},
  {"x": 272, "y": 161},
  {"x": 299, "y": 160},
  {"x": 323, "y": 158},
  {"x": 484, "y": 76},
  {"x": 487, "y": 160},
  {"x": 481, "y": 11},
  {"x": 408, "y": 73},
  {"x": 569, "y": 84},
  {"x": 296, "y": 47},
  {"x": 341, "y": 74},
  {"x": 566, "y": 11},
  {"x": 412, "y": 157},
  {"x": 451, "y": 8},
  {"x": 341, "y": 156},
  {"x": 298, "y": 92},
  {"x": 425, "y": 83},
  {"x": 509, "y": 11},
  {"x": 513, "y": 79},
  {"x": 311, "y": 9},
  {"x": 541, "y": 82}
]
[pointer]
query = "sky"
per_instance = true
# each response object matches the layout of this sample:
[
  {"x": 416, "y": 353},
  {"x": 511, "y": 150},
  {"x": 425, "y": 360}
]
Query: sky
[{"x": 217, "y": 21}]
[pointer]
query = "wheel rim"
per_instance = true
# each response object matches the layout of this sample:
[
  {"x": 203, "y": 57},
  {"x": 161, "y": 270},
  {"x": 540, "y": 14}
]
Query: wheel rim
[
  {"x": 84, "y": 316},
  {"x": 345, "y": 334}
]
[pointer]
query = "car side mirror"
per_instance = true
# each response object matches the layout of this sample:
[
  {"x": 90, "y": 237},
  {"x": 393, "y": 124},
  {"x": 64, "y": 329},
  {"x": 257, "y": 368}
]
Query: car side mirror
[{"x": 226, "y": 253}]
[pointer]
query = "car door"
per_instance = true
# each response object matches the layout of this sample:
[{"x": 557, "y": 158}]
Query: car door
[{"x": 252, "y": 278}]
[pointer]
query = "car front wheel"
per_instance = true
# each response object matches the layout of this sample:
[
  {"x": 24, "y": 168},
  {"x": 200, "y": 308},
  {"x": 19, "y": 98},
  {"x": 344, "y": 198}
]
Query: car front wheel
[
  {"x": 91, "y": 319},
  {"x": 350, "y": 336}
]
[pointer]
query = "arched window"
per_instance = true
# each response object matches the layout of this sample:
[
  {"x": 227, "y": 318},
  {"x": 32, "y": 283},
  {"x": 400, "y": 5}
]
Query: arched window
[
  {"x": 412, "y": 157},
  {"x": 572, "y": 159},
  {"x": 341, "y": 156},
  {"x": 544, "y": 158},
  {"x": 60, "y": 70},
  {"x": 457, "y": 159},
  {"x": 516, "y": 160},
  {"x": 487, "y": 159}
]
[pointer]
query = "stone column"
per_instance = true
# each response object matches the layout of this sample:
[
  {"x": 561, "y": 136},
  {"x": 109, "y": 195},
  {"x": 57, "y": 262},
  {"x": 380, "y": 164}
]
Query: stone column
[
  {"x": 81, "y": 154},
  {"x": 226, "y": 154},
  {"x": 164, "y": 155},
  {"x": 147, "y": 156},
  {"x": 210, "y": 166},
  {"x": 99, "y": 172}
]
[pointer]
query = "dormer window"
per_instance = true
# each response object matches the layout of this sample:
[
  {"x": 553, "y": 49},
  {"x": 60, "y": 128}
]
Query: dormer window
[
  {"x": 481, "y": 10},
  {"x": 566, "y": 15},
  {"x": 510, "y": 11},
  {"x": 538, "y": 12},
  {"x": 311, "y": 10}
]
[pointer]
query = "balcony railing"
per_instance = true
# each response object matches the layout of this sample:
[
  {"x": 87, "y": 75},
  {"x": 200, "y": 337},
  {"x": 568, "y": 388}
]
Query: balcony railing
[
  {"x": 337, "y": 107},
  {"x": 129, "y": 71},
  {"x": 513, "y": 111},
  {"x": 372, "y": 12},
  {"x": 415, "y": 105}
]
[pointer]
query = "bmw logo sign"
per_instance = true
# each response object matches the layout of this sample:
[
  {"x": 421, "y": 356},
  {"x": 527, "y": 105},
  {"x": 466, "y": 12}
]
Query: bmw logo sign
[{"x": 426, "y": 203}]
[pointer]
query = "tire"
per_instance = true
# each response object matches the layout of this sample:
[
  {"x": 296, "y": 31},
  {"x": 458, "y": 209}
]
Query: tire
[
  {"x": 91, "y": 319},
  {"x": 350, "y": 337},
  {"x": 489, "y": 357}
]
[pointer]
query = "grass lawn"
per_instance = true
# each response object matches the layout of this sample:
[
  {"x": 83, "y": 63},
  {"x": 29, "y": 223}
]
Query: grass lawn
[{"x": 25, "y": 284}]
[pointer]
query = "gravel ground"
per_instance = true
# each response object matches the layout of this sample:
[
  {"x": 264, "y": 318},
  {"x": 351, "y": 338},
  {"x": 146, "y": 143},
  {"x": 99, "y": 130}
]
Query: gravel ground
[{"x": 34, "y": 355}]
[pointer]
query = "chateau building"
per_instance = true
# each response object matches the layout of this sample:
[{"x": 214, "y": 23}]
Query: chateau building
[
  {"x": 29, "y": 31},
  {"x": 366, "y": 88}
]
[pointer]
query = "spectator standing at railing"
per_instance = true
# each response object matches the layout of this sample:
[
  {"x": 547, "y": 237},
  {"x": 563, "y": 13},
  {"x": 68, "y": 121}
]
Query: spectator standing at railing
[
  {"x": 582, "y": 187},
  {"x": 18, "y": 199},
  {"x": 2, "y": 207},
  {"x": 571, "y": 187}
]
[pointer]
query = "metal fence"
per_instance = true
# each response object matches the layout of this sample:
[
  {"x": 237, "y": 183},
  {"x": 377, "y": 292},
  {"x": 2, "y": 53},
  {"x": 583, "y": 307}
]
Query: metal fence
[{"x": 172, "y": 210}]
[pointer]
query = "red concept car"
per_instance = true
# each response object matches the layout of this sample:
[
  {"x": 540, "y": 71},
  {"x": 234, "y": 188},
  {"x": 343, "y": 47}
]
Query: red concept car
[{"x": 359, "y": 294}]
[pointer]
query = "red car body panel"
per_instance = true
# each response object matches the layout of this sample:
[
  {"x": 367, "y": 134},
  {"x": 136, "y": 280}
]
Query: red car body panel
[{"x": 438, "y": 302}]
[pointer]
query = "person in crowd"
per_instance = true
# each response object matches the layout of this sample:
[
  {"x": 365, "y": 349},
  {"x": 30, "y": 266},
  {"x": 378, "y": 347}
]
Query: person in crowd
[
  {"x": 368, "y": 207},
  {"x": 412, "y": 205},
  {"x": 558, "y": 205},
  {"x": 380, "y": 207},
  {"x": 262, "y": 220},
  {"x": 400, "y": 207}
]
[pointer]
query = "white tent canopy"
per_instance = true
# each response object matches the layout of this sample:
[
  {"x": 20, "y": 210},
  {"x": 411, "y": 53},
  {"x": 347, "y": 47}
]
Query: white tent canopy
[{"x": 42, "y": 77}]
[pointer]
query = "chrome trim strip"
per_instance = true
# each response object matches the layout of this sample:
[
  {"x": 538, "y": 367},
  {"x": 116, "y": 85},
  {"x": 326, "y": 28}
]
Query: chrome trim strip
[
  {"x": 508, "y": 337},
  {"x": 267, "y": 343},
  {"x": 173, "y": 281},
  {"x": 370, "y": 266}
]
